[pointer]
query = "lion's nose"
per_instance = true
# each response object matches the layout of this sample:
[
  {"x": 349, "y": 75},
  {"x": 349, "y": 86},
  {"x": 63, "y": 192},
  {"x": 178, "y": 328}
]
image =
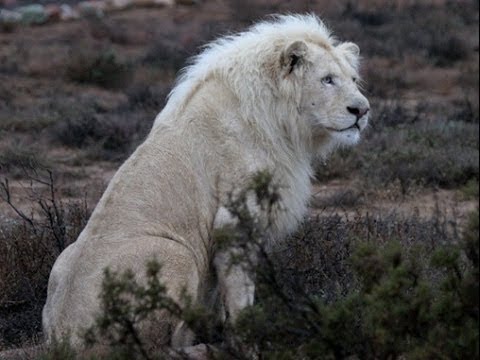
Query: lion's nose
[{"x": 358, "y": 112}]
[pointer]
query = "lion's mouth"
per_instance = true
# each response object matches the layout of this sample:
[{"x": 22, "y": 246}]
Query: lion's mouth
[{"x": 354, "y": 126}]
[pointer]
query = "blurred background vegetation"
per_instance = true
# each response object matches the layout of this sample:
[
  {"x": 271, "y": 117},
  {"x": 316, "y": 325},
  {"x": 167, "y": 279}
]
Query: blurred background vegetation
[{"x": 76, "y": 98}]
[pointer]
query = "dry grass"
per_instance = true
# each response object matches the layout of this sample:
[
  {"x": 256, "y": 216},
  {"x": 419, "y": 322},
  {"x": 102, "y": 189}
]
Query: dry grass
[{"x": 29, "y": 244}]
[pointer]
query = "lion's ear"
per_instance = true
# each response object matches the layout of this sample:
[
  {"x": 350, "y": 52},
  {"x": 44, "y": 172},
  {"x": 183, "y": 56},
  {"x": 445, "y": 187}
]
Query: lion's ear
[
  {"x": 294, "y": 56},
  {"x": 351, "y": 52}
]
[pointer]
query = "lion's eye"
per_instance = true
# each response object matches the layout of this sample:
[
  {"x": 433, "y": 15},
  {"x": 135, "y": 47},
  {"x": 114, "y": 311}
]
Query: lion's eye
[{"x": 327, "y": 80}]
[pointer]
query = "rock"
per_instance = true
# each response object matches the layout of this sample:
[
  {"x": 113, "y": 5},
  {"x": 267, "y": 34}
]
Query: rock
[
  {"x": 33, "y": 14},
  {"x": 92, "y": 8},
  {"x": 118, "y": 4},
  {"x": 68, "y": 13},
  {"x": 8, "y": 17},
  {"x": 164, "y": 2}
]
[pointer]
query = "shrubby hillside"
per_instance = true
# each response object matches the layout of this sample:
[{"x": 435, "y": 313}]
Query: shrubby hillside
[{"x": 385, "y": 266}]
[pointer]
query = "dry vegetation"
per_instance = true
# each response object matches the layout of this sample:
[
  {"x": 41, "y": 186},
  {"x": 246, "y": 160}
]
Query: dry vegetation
[{"x": 77, "y": 98}]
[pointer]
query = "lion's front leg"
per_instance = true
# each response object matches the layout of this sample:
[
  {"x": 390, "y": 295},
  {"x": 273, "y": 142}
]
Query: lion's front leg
[
  {"x": 234, "y": 266},
  {"x": 236, "y": 281}
]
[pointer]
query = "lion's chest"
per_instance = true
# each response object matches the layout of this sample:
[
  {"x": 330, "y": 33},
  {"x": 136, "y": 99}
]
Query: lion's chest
[{"x": 294, "y": 201}]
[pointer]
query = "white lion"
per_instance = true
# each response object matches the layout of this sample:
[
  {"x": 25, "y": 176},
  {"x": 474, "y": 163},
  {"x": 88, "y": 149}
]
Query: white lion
[{"x": 276, "y": 97}]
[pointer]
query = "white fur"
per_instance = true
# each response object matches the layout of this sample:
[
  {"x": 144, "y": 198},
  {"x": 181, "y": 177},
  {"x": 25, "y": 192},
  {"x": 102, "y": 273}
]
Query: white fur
[{"x": 249, "y": 102}]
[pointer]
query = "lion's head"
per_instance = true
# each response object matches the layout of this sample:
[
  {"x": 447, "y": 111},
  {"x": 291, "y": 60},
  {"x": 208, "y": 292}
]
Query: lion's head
[
  {"x": 292, "y": 79},
  {"x": 331, "y": 102}
]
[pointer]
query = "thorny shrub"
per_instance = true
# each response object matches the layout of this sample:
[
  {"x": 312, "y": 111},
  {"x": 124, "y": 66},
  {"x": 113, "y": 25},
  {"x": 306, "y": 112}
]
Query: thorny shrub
[
  {"x": 106, "y": 136},
  {"x": 29, "y": 245}
]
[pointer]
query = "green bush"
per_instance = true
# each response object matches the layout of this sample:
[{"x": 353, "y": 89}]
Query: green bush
[
  {"x": 402, "y": 307},
  {"x": 101, "y": 68},
  {"x": 404, "y": 303},
  {"x": 128, "y": 304},
  {"x": 58, "y": 350},
  {"x": 470, "y": 191},
  {"x": 125, "y": 306}
]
